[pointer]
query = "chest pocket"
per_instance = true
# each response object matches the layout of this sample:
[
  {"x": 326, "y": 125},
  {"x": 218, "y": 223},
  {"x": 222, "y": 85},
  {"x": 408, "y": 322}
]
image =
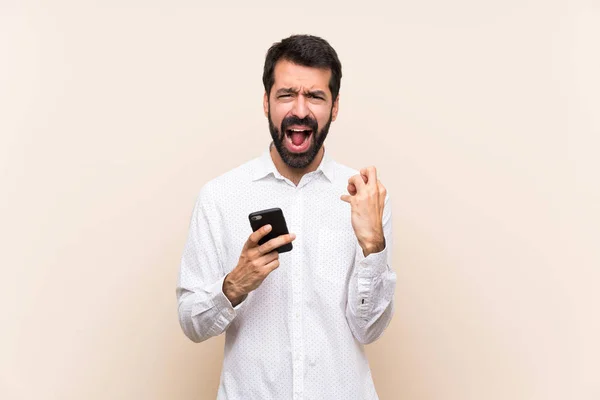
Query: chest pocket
[{"x": 335, "y": 257}]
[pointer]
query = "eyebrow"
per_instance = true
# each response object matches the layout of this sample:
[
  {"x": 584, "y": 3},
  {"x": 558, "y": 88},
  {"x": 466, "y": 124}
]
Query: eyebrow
[{"x": 319, "y": 93}]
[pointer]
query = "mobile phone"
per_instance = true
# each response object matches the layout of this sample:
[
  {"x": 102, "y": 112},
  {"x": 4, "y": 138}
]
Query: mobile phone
[{"x": 275, "y": 218}]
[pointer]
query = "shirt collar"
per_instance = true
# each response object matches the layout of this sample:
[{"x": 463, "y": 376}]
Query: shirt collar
[{"x": 265, "y": 165}]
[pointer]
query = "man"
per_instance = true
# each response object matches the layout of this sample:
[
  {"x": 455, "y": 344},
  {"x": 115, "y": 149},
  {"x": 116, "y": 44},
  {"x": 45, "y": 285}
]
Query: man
[{"x": 295, "y": 322}]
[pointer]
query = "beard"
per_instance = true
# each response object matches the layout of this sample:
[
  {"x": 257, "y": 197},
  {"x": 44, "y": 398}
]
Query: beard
[{"x": 298, "y": 160}]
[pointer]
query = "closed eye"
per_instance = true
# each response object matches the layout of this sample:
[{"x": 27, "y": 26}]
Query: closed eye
[{"x": 317, "y": 94}]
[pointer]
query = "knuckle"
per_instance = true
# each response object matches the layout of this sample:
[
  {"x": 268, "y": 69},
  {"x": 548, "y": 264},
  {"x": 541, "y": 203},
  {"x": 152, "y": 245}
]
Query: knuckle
[{"x": 272, "y": 265}]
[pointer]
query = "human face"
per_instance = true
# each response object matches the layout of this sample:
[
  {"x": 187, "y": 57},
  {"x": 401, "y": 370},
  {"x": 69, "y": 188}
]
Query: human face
[{"x": 300, "y": 109}]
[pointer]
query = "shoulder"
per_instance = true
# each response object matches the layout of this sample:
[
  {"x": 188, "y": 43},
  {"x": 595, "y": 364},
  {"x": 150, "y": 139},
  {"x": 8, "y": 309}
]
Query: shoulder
[
  {"x": 344, "y": 172},
  {"x": 228, "y": 181}
]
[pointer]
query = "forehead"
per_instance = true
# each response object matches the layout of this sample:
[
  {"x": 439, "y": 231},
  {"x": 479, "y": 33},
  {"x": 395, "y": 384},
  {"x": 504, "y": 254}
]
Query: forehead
[{"x": 290, "y": 75}]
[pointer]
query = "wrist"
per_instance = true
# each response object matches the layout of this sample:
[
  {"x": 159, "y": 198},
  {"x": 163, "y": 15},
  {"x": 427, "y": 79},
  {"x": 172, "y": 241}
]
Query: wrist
[
  {"x": 373, "y": 247},
  {"x": 230, "y": 291}
]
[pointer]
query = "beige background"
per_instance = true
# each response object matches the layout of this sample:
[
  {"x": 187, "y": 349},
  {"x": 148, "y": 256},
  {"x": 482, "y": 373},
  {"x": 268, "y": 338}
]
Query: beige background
[{"x": 482, "y": 117}]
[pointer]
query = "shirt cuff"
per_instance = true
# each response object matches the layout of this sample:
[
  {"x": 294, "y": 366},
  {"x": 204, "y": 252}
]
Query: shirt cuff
[
  {"x": 222, "y": 302},
  {"x": 368, "y": 270},
  {"x": 372, "y": 265},
  {"x": 225, "y": 310}
]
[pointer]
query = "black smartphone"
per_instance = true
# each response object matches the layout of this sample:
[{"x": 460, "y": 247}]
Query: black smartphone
[{"x": 275, "y": 218}]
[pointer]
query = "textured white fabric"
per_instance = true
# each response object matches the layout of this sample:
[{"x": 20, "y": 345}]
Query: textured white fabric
[{"x": 300, "y": 335}]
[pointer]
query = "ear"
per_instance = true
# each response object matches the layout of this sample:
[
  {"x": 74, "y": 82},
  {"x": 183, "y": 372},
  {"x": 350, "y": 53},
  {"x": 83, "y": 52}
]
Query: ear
[
  {"x": 266, "y": 104},
  {"x": 334, "y": 110}
]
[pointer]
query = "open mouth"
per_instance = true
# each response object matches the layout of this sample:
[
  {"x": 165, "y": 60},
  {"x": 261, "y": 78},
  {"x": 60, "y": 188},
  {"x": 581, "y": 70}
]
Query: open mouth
[{"x": 297, "y": 138}]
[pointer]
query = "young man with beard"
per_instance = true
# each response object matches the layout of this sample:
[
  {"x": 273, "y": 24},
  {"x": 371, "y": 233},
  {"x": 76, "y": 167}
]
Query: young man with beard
[{"x": 296, "y": 323}]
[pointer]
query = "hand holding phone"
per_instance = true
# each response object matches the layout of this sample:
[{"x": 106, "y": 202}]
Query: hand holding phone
[{"x": 260, "y": 255}]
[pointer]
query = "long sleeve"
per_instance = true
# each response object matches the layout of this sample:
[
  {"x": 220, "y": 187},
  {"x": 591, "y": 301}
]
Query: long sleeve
[
  {"x": 371, "y": 288},
  {"x": 204, "y": 310}
]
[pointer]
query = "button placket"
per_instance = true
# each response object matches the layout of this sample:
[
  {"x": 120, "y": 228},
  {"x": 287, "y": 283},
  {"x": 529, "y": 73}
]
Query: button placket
[{"x": 297, "y": 343}]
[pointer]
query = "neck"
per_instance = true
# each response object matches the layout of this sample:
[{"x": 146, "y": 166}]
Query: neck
[{"x": 295, "y": 174}]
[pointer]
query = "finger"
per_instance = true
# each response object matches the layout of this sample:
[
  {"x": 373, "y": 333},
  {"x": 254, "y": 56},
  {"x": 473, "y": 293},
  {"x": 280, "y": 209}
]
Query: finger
[
  {"x": 364, "y": 174},
  {"x": 351, "y": 189},
  {"x": 346, "y": 198},
  {"x": 276, "y": 242},
  {"x": 382, "y": 189},
  {"x": 372, "y": 175},
  {"x": 267, "y": 258},
  {"x": 257, "y": 235},
  {"x": 358, "y": 182},
  {"x": 271, "y": 266}
]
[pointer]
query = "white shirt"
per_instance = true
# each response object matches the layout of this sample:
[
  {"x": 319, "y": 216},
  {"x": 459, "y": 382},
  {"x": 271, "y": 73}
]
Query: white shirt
[{"x": 300, "y": 334}]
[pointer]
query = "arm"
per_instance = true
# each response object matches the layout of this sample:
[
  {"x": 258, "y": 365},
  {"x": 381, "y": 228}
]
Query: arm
[
  {"x": 204, "y": 310},
  {"x": 370, "y": 304}
]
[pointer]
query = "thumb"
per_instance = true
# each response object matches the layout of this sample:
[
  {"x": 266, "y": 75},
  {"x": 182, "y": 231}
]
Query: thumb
[{"x": 346, "y": 198}]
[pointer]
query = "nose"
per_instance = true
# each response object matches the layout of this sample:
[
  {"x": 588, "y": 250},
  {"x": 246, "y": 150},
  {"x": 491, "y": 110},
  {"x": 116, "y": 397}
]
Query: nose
[{"x": 300, "y": 109}]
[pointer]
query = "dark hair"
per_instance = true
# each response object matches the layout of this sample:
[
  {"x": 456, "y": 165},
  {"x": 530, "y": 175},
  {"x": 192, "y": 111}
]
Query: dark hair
[{"x": 305, "y": 50}]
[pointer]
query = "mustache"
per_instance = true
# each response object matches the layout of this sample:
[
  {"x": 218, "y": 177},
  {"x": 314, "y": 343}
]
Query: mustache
[{"x": 294, "y": 120}]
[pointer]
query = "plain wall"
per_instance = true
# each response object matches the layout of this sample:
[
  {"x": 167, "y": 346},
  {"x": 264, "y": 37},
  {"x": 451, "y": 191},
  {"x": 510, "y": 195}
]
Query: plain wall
[{"x": 482, "y": 118}]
